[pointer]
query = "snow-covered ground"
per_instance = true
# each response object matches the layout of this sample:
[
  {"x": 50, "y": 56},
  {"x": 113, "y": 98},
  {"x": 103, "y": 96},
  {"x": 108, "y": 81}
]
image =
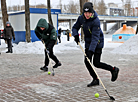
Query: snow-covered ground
[
  {"x": 38, "y": 48},
  {"x": 128, "y": 47}
]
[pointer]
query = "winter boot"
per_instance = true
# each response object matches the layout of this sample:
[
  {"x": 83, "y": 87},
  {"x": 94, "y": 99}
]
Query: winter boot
[
  {"x": 11, "y": 51},
  {"x": 114, "y": 73},
  {"x": 45, "y": 68},
  {"x": 57, "y": 64},
  {"x": 93, "y": 83},
  {"x": 8, "y": 51}
]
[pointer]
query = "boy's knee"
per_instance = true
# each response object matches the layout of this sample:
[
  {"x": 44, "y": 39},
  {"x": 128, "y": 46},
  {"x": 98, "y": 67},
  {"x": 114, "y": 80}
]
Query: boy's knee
[{"x": 96, "y": 64}]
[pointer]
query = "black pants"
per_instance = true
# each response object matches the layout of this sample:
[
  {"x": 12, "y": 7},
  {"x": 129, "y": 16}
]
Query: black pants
[
  {"x": 96, "y": 62},
  {"x": 52, "y": 56},
  {"x": 59, "y": 39},
  {"x": 68, "y": 37},
  {"x": 9, "y": 42}
]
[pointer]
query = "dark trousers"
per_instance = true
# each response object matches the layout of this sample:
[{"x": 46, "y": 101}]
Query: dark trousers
[
  {"x": 52, "y": 56},
  {"x": 9, "y": 42},
  {"x": 59, "y": 39},
  {"x": 68, "y": 37},
  {"x": 96, "y": 62}
]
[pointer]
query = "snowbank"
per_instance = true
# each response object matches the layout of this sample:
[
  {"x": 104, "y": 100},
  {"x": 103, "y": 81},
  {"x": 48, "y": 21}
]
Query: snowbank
[
  {"x": 38, "y": 47},
  {"x": 29, "y": 48},
  {"x": 129, "y": 47}
]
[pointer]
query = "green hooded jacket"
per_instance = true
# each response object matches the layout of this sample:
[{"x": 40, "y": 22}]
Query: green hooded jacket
[{"x": 46, "y": 35}]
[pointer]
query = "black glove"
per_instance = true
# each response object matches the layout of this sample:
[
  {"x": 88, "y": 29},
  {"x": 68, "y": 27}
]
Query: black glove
[
  {"x": 77, "y": 39},
  {"x": 13, "y": 38}
]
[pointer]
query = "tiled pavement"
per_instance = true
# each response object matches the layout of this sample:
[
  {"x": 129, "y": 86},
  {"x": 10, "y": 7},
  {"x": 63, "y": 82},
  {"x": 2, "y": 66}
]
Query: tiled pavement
[{"x": 22, "y": 81}]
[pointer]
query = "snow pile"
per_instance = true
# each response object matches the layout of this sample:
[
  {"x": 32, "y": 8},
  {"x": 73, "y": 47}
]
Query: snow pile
[
  {"x": 109, "y": 44},
  {"x": 29, "y": 48},
  {"x": 38, "y": 47},
  {"x": 129, "y": 47}
]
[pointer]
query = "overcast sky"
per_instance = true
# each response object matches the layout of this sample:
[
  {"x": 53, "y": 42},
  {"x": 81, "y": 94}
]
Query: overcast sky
[{"x": 56, "y": 2}]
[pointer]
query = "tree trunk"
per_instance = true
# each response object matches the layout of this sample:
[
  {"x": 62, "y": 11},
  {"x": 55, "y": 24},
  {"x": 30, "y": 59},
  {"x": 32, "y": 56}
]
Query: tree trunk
[
  {"x": 137, "y": 28},
  {"x": 4, "y": 12},
  {"x": 49, "y": 12},
  {"x": 27, "y": 21},
  {"x": 81, "y": 11}
]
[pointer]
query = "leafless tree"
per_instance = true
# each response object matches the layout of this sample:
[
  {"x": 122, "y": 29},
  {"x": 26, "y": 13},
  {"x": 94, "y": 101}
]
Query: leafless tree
[
  {"x": 128, "y": 7},
  {"x": 137, "y": 28},
  {"x": 101, "y": 8},
  {"x": 95, "y": 3},
  {"x": 27, "y": 21},
  {"x": 49, "y": 12},
  {"x": 60, "y": 4},
  {"x": 15, "y": 8},
  {"x": 9, "y": 8},
  {"x": 39, "y": 6},
  {"x": 72, "y": 7},
  {"x": 81, "y": 11},
  {"x": 4, "y": 12},
  {"x": 22, "y": 7}
]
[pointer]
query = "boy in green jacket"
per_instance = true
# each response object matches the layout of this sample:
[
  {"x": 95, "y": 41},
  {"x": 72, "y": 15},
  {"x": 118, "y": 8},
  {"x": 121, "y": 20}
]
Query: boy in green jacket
[{"x": 47, "y": 33}]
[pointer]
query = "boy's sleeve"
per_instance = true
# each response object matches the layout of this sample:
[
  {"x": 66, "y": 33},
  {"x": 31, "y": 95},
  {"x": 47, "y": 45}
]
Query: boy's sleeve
[
  {"x": 13, "y": 33},
  {"x": 76, "y": 27},
  {"x": 53, "y": 35},
  {"x": 37, "y": 34}
]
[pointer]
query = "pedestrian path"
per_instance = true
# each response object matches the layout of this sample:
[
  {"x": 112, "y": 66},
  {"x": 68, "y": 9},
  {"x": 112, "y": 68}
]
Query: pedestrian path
[{"x": 22, "y": 81}]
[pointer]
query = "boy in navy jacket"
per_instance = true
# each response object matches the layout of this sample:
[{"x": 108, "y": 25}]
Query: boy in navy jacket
[{"x": 94, "y": 42}]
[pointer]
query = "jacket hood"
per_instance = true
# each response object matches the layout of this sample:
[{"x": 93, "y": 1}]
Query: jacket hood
[{"x": 42, "y": 23}]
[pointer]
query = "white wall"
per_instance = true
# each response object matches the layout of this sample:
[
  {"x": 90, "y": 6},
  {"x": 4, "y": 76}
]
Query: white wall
[
  {"x": 18, "y": 21},
  {"x": 34, "y": 18}
]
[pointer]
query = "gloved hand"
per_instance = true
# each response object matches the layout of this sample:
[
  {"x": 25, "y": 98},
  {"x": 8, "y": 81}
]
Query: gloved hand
[
  {"x": 77, "y": 39},
  {"x": 13, "y": 38}
]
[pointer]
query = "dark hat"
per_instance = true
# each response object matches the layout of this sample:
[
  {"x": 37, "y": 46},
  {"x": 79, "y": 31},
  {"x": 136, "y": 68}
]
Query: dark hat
[
  {"x": 8, "y": 23},
  {"x": 88, "y": 7}
]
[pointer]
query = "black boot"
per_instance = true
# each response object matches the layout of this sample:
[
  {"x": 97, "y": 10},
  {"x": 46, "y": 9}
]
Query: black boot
[
  {"x": 93, "y": 83},
  {"x": 45, "y": 68},
  {"x": 57, "y": 64},
  {"x": 114, "y": 73},
  {"x": 8, "y": 51},
  {"x": 11, "y": 51}
]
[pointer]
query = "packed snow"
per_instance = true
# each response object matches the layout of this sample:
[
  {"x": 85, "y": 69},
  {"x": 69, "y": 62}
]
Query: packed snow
[
  {"x": 38, "y": 47},
  {"x": 128, "y": 47}
]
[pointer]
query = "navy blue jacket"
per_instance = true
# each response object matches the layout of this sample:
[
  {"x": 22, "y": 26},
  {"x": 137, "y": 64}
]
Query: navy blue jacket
[{"x": 93, "y": 34}]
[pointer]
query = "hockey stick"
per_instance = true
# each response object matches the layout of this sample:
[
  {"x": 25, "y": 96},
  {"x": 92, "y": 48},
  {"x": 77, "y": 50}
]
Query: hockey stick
[
  {"x": 49, "y": 60},
  {"x": 137, "y": 27},
  {"x": 112, "y": 98}
]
